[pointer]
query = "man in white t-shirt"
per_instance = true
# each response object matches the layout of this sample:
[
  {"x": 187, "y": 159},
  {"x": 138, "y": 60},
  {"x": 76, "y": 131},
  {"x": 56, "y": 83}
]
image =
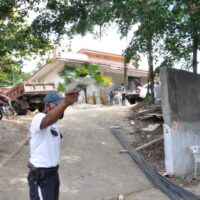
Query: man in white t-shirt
[
  {"x": 157, "y": 92},
  {"x": 123, "y": 91},
  {"x": 45, "y": 138}
]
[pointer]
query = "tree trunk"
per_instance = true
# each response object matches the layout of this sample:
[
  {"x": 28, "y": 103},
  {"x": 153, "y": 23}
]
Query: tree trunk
[
  {"x": 125, "y": 73},
  {"x": 85, "y": 92},
  {"x": 150, "y": 63},
  {"x": 194, "y": 51},
  {"x": 195, "y": 38}
]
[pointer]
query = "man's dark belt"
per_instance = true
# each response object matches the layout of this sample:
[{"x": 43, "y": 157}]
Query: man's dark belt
[{"x": 40, "y": 173}]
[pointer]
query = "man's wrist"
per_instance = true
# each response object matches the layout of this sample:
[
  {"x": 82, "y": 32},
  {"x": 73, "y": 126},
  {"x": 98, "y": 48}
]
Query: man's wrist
[{"x": 66, "y": 102}]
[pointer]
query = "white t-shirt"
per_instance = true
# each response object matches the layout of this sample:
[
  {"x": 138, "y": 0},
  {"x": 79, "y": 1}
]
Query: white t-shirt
[
  {"x": 44, "y": 143},
  {"x": 123, "y": 89},
  {"x": 157, "y": 92}
]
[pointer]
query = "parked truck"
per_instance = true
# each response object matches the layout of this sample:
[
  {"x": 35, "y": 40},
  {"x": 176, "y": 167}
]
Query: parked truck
[
  {"x": 27, "y": 96},
  {"x": 133, "y": 97}
]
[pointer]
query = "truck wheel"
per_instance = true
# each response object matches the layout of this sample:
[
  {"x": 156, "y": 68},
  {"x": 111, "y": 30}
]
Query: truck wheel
[
  {"x": 18, "y": 109},
  {"x": 132, "y": 101},
  {"x": 33, "y": 107},
  {"x": 24, "y": 111}
]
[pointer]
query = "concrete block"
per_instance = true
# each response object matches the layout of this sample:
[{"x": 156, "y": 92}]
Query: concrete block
[{"x": 180, "y": 104}]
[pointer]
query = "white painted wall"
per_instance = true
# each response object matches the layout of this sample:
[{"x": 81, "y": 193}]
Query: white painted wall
[
  {"x": 180, "y": 106},
  {"x": 52, "y": 75},
  {"x": 177, "y": 141}
]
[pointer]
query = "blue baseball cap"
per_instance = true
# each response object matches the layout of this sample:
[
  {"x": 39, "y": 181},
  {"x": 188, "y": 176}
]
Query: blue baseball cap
[{"x": 53, "y": 97}]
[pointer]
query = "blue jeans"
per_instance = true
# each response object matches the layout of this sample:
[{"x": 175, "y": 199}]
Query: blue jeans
[{"x": 49, "y": 187}]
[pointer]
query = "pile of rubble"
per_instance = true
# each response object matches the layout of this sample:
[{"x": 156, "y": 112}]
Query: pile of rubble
[
  {"x": 149, "y": 119},
  {"x": 148, "y": 140},
  {"x": 148, "y": 134}
]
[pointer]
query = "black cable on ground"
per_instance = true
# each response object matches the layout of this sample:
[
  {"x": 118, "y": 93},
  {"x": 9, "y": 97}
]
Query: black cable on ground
[{"x": 169, "y": 188}]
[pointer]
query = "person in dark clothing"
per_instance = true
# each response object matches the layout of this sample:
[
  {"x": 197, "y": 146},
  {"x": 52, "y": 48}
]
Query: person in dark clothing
[
  {"x": 112, "y": 94},
  {"x": 41, "y": 107},
  {"x": 123, "y": 91}
]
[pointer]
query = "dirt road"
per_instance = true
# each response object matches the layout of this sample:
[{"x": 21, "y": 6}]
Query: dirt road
[{"x": 91, "y": 166}]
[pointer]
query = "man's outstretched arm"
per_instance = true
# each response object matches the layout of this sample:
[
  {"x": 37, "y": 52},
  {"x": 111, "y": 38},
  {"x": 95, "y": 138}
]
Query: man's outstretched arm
[{"x": 55, "y": 114}]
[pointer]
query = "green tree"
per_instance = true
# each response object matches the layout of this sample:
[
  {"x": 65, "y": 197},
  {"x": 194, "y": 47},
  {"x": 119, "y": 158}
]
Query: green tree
[
  {"x": 183, "y": 36},
  {"x": 17, "y": 39},
  {"x": 166, "y": 29},
  {"x": 151, "y": 18},
  {"x": 79, "y": 17},
  {"x": 11, "y": 75}
]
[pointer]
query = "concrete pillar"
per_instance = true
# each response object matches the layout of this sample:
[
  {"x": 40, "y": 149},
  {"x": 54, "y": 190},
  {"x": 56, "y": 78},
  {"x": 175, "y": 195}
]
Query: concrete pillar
[{"x": 181, "y": 112}]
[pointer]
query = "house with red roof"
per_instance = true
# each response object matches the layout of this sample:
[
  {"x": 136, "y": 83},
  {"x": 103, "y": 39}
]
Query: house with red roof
[{"x": 111, "y": 65}]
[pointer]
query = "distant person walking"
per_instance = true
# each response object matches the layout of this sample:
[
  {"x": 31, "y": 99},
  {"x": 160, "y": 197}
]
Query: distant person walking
[
  {"x": 157, "y": 91},
  {"x": 123, "y": 91},
  {"x": 111, "y": 95}
]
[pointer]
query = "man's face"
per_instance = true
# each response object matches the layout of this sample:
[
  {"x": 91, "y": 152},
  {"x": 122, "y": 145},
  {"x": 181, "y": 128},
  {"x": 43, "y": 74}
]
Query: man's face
[{"x": 51, "y": 106}]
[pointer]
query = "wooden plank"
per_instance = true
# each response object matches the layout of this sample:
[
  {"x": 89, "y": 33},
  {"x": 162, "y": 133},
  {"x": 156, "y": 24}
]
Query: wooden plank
[{"x": 149, "y": 144}]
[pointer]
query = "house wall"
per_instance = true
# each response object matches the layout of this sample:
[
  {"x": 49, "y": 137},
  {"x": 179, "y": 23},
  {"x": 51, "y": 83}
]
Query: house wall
[
  {"x": 118, "y": 78},
  {"x": 180, "y": 105},
  {"x": 49, "y": 73},
  {"x": 52, "y": 75}
]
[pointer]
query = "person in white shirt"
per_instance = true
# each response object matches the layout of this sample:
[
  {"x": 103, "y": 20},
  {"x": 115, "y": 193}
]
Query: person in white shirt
[
  {"x": 45, "y": 138},
  {"x": 123, "y": 91},
  {"x": 157, "y": 91}
]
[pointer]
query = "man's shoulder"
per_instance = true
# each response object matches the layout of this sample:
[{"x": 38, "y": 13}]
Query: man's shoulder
[
  {"x": 35, "y": 124},
  {"x": 38, "y": 116}
]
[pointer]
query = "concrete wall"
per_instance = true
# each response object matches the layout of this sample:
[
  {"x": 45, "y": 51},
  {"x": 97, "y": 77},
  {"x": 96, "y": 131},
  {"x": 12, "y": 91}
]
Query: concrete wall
[
  {"x": 118, "y": 78},
  {"x": 181, "y": 111},
  {"x": 52, "y": 75}
]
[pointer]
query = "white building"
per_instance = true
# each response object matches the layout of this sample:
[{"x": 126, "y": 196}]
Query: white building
[{"x": 110, "y": 64}]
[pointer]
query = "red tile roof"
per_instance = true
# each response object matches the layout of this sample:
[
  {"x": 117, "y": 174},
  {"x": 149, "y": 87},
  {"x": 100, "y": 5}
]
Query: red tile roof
[
  {"x": 98, "y": 52},
  {"x": 106, "y": 64}
]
